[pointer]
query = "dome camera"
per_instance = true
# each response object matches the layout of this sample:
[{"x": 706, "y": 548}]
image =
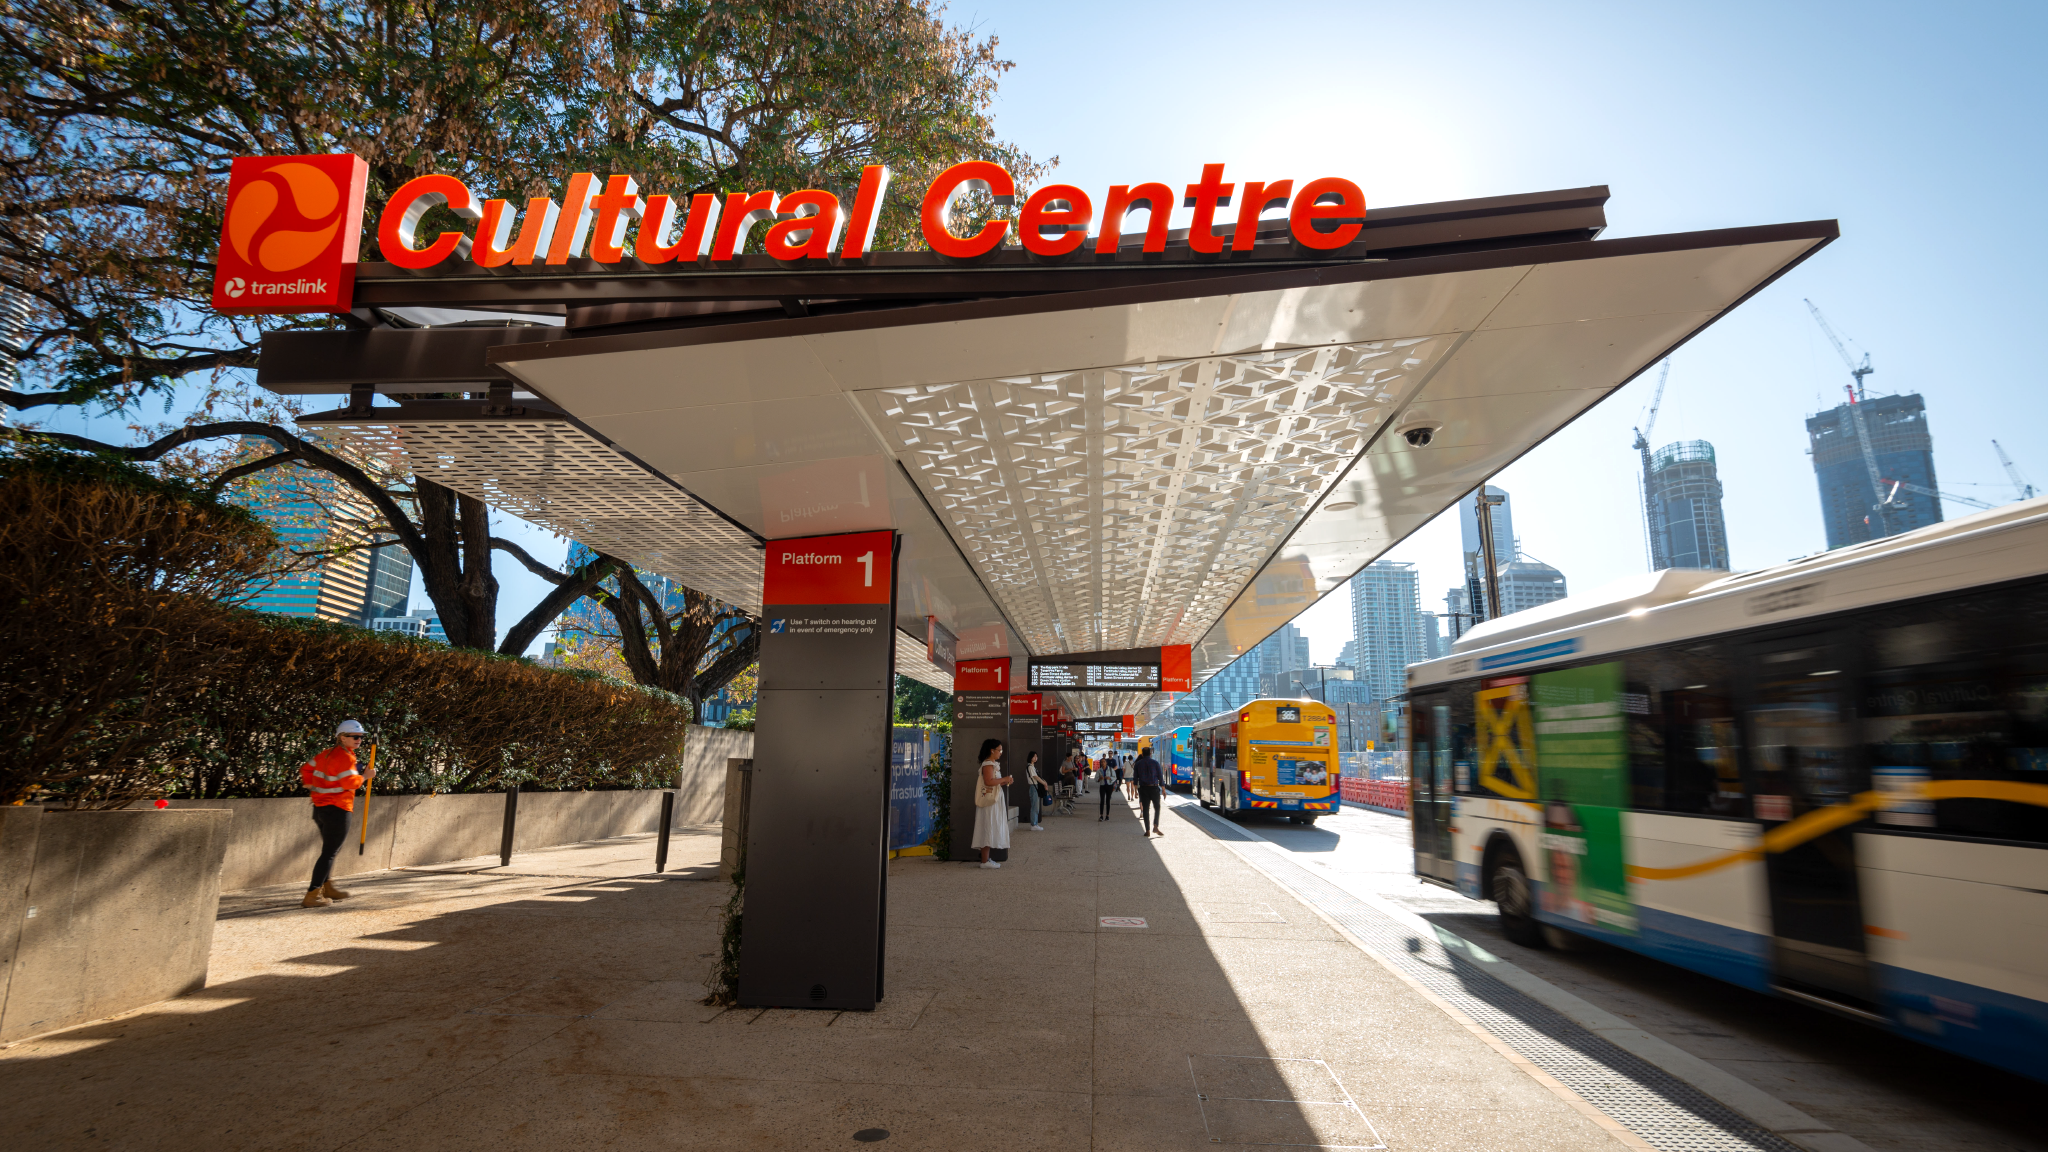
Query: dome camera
[{"x": 1420, "y": 435}]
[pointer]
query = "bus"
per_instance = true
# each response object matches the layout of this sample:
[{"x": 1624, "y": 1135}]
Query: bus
[
  {"x": 1278, "y": 757},
  {"x": 1180, "y": 762},
  {"x": 1825, "y": 781}
]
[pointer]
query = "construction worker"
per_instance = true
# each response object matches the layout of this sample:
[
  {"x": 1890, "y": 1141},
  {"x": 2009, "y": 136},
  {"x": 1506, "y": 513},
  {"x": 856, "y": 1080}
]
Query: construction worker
[{"x": 332, "y": 779}]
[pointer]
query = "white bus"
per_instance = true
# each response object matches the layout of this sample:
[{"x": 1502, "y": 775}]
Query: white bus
[{"x": 1826, "y": 780}]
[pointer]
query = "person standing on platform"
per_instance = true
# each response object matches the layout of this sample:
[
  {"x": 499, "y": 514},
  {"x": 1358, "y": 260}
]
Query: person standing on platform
[
  {"x": 1145, "y": 774},
  {"x": 1035, "y": 786},
  {"x": 1105, "y": 781},
  {"x": 332, "y": 778},
  {"x": 992, "y": 821}
]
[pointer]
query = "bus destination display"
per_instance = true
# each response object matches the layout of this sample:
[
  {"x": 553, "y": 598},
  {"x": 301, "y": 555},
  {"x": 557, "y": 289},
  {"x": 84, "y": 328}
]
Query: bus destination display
[{"x": 1112, "y": 677}]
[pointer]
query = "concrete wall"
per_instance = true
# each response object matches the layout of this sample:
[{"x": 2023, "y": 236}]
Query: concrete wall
[
  {"x": 274, "y": 841},
  {"x": 104, "y": 911}
]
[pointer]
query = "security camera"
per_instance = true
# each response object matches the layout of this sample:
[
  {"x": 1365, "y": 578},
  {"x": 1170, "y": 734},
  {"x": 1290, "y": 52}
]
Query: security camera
[{"x": 1419, "y": 436}]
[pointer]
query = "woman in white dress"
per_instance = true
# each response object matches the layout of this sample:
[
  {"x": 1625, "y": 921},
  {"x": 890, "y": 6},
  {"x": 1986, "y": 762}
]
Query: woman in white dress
[{"x": 992, "y": 821}]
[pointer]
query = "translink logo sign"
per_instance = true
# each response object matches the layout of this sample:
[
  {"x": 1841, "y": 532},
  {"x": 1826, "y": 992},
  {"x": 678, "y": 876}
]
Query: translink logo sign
[{"x": 289, "y": 237}]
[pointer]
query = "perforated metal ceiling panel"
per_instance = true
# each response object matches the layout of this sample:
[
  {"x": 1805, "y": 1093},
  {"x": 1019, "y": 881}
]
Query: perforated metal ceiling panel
[
  {"x": 556, "y": 475},
  {"x": 1124, "y": 507}
]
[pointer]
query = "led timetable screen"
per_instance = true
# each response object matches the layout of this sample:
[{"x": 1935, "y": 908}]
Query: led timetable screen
[{"x": 1112, "y": 677}]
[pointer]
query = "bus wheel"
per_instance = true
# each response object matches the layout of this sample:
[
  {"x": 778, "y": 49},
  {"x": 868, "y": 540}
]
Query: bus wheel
[
  {"x": 1308, "y": 820},
  {"x": 1513, "y": 896}
]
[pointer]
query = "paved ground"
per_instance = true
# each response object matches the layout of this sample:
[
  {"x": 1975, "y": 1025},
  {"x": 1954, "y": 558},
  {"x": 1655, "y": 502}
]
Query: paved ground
[
  {"x": 555, "y": 1005},
  {"x": 1888, "y": 1092}
]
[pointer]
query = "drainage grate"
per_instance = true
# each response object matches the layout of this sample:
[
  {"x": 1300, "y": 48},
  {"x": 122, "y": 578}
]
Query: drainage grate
[{"x": 1665, "y": 1111}]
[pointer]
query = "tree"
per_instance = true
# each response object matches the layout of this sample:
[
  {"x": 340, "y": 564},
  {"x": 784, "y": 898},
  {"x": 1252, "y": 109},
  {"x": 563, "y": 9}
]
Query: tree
[
  {"x": 666, "y": 636},
  {"x": 103, "y": 568},
  {"x": 120, "y": 122},
  {"x": 915, "y": 700}
]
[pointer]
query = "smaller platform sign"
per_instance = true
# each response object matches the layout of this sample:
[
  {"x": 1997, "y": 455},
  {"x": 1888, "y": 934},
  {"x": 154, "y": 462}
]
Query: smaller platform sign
[{"x": 982, "y": 675}]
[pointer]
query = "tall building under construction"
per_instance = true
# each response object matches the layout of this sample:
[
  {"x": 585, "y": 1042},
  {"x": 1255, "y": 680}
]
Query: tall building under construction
[
  {"x": 1855, "y": 505},
  {"x": 1683, "y": 491}
]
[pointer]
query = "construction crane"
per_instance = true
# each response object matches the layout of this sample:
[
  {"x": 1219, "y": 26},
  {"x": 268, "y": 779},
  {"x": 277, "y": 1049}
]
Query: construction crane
[
  {"x": 1891, "y": 498},
  {"x": 2019, "y": 482},
  {"x": 1855, "y": 412},
  {"x": 1653, "y": 516}
]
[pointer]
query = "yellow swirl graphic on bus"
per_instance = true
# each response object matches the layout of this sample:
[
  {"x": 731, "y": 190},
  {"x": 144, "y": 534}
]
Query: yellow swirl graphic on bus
[{"x": 1822, "y": 821}]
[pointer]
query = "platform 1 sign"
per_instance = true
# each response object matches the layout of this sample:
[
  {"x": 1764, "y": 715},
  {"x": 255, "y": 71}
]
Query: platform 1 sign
[{"x": 817, "y": 835}]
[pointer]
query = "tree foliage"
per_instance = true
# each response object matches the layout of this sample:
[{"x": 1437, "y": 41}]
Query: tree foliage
[
  {"x": 105, "y": 572},
  {"x": 118, "y": 124},
  {"x": 123, "y": 675},
  {"x": 120, "y": 121}
]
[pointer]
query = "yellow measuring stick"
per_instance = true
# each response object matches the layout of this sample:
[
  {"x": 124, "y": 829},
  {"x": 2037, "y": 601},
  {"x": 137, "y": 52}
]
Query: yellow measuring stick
[{"x": 368, "y": 783}]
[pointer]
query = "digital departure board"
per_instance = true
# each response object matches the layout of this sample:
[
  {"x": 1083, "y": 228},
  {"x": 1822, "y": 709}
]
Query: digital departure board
[{"x": 1096, "y": 677}]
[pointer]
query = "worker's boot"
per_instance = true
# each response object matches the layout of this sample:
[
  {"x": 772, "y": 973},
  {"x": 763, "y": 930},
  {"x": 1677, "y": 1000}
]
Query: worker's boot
[
  {"x": 315, "y": 900},
  {"x": 332, "y": 893}
]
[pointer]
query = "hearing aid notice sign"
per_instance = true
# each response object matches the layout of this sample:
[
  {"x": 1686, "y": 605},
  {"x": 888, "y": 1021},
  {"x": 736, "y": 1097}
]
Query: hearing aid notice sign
[{"x": 827, "y": 603}]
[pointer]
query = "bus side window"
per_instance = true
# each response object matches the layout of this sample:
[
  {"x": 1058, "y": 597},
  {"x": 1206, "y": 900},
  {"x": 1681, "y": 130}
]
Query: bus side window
[
  {"x": 1951, "y": 696},
  {"x": 1458, "y": 722},
  {"x": 1685, "y": 748}
]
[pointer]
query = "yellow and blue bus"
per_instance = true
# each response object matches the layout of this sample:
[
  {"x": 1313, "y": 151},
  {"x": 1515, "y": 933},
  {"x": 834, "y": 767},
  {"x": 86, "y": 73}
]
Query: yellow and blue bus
[
  {"x": 1826, "y": 781},
  {"x": 1277, "y": 757},
  {"x": 1180, "y": 764}
]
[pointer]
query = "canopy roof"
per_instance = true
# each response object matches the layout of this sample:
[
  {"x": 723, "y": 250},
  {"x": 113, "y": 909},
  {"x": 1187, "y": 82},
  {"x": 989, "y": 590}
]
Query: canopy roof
[{"x": 1076, "y": 462}]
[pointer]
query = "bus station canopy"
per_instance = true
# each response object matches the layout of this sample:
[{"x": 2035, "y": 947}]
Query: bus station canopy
[{"x": 1078, "y": 457}]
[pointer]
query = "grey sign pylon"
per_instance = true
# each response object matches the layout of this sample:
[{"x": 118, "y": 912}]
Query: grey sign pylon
[{"x": 817, "y": 838}]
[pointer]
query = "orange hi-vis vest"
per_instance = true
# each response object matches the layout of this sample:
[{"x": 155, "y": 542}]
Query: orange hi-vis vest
[{"x": 332, "y": 778}]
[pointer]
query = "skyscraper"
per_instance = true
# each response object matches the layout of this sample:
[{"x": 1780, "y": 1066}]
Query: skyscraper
[
  {"x": 1684, "y": 490},
  {"x": 1286, "y": 650},
  {"x": 1385, "y": 623},
  {"x": 1904, "y": 452},
  {"x": 1526, "y": 582},
  {"x": 389, "y": 592},
  {"x": 1458, "y": 618},
  {"x": 1433, "y": 644},
  {"x": 310, "y": 510}
]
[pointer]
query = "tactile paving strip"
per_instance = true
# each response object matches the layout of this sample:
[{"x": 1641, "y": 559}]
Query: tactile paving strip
[{"x": 1665, "y": 1111}]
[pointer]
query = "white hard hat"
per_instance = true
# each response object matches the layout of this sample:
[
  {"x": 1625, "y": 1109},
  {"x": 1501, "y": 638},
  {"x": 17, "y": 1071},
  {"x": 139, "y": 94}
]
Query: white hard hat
[{"x": 349, "y": 728}]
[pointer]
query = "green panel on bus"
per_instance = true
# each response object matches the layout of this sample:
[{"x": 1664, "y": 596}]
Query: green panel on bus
[{"x": 1582, "y": 774}]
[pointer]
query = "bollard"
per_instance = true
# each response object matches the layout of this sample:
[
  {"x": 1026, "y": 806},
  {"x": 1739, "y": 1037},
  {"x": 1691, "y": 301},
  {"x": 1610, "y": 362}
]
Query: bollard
[
  {"x": 511, "y": 822},
  {"x": 668, "y": 815}
]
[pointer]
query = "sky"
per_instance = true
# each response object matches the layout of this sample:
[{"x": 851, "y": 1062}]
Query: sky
[{"x": 1917, "y": 128}]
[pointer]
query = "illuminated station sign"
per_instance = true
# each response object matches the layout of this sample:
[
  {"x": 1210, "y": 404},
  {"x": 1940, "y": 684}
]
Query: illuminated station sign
[
  {"x": 1164, "y": 669},
  {"x": 1096, "y": 677},
  {"x": 289, "y": 239}
]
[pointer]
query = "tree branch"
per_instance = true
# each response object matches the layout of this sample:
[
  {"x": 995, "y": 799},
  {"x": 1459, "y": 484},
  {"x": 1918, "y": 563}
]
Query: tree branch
[
  {"x": 730, "y": 663},
  {"x": 240, "y": 470},
  {"x": 401, "y": 525},
  {"x": 569, "y": 589},
  {"x": 534, "y": 566}
]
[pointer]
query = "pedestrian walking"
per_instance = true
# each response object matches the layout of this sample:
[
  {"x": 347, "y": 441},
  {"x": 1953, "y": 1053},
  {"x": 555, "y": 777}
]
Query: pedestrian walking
[
  {"x": 1035, "y": 789},
  {"x": 992, "y": 820},
  {"x": 1150, "y": 781},
  {"x": 332, "y": 778},
  {"x": 1105, "y": 777}
]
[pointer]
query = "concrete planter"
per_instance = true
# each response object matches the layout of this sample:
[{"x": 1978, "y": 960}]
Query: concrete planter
[{"x": 101, "y": 912}]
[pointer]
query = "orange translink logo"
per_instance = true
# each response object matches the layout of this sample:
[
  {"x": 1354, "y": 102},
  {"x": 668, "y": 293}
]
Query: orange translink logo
[{"x": 290, "y": 236}]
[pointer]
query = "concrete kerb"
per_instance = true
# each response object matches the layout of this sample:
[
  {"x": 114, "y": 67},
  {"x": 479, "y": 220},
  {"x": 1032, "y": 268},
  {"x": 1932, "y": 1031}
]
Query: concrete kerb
[{"x": 1759, "y": 1106}]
